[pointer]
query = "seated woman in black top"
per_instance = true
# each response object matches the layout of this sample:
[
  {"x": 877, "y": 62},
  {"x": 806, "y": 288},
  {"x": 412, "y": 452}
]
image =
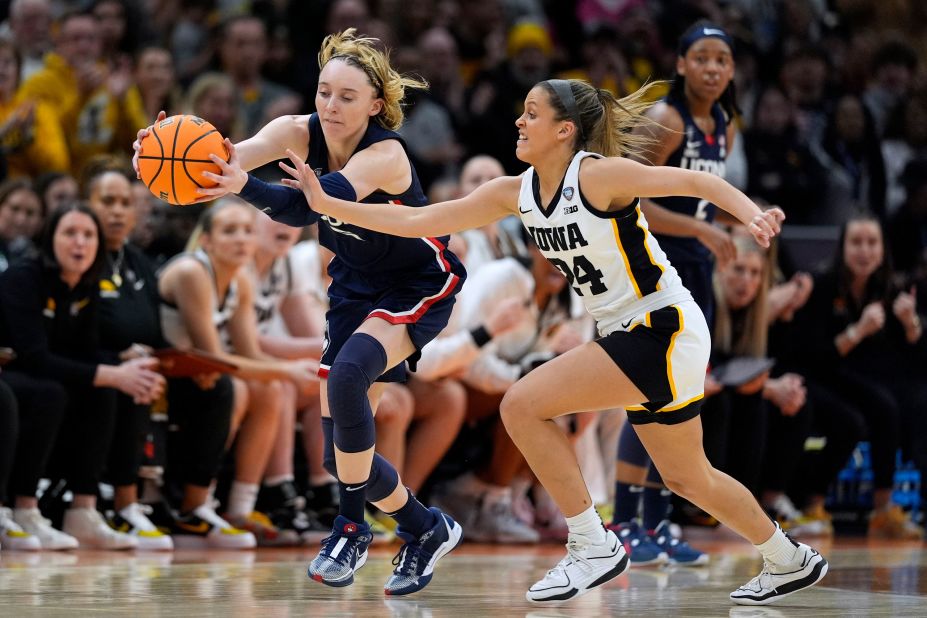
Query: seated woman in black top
[
  {"x": 48, "y": 315},
  {"x": 864, "y": 347},
  {"x": 199, "y": 408}
]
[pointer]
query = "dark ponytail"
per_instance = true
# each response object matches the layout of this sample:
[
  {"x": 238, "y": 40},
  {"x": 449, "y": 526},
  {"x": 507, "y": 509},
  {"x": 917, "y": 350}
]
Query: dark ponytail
[{"x": 606, "y": 123}]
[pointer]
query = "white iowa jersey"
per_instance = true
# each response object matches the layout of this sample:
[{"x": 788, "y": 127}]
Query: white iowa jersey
[{"x": 610, "y": 259}]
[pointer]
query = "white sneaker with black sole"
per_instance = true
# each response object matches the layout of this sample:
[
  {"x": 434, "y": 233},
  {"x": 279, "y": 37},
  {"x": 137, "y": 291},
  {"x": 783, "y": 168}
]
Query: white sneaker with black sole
[
  {"x": 776, "y": 581},
  {"x": 585, "y": 566}
]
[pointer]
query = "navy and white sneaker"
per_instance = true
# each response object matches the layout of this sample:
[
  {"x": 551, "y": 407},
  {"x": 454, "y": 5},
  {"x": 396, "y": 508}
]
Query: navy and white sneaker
[
  {"x": 415, "y": 562},
  {"x": 776, "y": 581},
  {"x": 585, "y": 566},
  {"x": 678, "y": 551},
  {"x": 343, "y": 552},
  {"x": 641, "y": 548}
]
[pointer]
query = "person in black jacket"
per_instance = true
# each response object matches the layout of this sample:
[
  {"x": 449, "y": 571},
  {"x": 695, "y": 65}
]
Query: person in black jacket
[
  {"x": 130, "y": 327},
  {"x": 864, "y": 346},
  {"x": 48, "y": 315}
]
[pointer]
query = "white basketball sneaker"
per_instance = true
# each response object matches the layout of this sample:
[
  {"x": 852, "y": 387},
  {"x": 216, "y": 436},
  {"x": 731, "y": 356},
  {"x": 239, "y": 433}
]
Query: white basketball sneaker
[
  {"x": 91, "y": 530},
  {"x": 585, "y": 566},
  {"x": 35, "y": 524},
  {"x": 776, "y": 581},
  {"x": 133, "y": 520},
  {"x": 12, "y": 536}
]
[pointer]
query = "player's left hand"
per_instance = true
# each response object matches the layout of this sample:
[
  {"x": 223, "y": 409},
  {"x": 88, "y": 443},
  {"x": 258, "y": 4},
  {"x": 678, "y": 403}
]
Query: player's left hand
[
  {"x": 304, "y": 179},
  {"x": 766, "y": 225}
]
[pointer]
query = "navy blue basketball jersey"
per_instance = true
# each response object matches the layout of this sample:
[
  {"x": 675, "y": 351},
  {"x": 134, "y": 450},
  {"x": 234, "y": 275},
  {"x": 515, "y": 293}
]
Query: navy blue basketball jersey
[
  {"x": 700, "y": 152},
  {"x": 365, "y": 260}
]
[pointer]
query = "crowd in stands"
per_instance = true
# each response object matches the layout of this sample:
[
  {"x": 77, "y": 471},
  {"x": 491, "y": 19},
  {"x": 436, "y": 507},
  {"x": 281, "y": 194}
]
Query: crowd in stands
[{"x": 97, "y": 274}]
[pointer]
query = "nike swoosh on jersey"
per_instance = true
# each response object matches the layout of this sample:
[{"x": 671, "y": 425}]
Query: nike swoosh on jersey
[
  {"x": 524, "y": 212},
  {"x": 627, "y": 324},
  {"x": 356, "y": 488}
]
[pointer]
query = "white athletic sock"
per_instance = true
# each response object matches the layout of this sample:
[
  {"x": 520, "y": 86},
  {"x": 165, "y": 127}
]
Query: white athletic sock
[
  {"x": 588, "y": 524},
  {"x": 242, "y": 497},
  {"x": 778, "y": 549},
  {"x": 280, "y": 479}
]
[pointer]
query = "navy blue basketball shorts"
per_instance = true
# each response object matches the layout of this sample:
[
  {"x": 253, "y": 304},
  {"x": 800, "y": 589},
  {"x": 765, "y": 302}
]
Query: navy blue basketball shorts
[
  {"x": 665, "y": 354},
  {"x": 424, "y": 309},
  {"x": 697, "y": 277}
]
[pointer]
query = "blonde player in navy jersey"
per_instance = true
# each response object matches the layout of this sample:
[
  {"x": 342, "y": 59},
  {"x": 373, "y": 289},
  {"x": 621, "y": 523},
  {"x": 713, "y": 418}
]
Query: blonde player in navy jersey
[
  {"x": 389, "y": 296},
  {"x": 583, "y": 209}
]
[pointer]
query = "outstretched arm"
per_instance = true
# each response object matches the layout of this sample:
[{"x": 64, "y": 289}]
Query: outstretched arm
[
  {"x": 280, "y": 203},
  {"x": 621, "y": 180},
  {"x": 490, "y": 202}
]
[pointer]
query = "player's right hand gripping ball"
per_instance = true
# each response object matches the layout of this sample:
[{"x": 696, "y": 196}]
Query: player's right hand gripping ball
[{"x": 174, "y": 155}]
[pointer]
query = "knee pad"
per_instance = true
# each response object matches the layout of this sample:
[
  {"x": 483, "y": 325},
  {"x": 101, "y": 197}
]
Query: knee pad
[
  {"x": 359, "y": 363},
  {"x": 383, "y": 479},
  {"x": 328, "y": 448}
]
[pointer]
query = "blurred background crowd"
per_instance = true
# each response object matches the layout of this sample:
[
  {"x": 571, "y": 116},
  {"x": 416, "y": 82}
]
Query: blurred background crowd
[{"x": 833, "y": 129}]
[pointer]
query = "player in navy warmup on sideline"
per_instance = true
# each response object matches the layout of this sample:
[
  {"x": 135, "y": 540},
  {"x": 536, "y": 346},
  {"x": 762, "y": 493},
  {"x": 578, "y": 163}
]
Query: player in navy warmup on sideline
[
  {"x": 695, "y": 131},
  {"x": 389, "y": 296},
  {"x": 583, "y": 210}
]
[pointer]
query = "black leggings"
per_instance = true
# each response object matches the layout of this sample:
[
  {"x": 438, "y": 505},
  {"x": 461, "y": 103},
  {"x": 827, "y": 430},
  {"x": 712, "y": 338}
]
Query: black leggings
[
  {"x": 842, "y": 426},
  {"x": 41, "y": 403},
  {"x": 9, "y": 429},
  {"x": 785, "y": 444},
  {"x": 735, "y": 428},
  {"x": 910, "y": 391},
  {"x": 125, "y": 455},
  {"x": 83, "y": 445},
  {"x": 203, "y": 419},
  {"x": 874, "y": 407}
]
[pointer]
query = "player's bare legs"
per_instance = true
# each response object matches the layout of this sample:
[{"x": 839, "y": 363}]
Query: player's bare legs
[{"x": 574, "y": 382}]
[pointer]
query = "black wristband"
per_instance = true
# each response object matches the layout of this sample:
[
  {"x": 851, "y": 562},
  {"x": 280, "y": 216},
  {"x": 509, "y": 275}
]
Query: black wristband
[{"x": 480, "y": 336}]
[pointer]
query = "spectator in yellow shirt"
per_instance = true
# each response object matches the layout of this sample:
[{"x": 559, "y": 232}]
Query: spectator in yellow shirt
[
  {"x": 97, "y": 111},
  {"x": 31, "y": 140}
]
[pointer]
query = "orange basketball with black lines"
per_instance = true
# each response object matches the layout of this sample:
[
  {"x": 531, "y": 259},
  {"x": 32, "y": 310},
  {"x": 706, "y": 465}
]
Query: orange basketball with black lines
[{"x": 174, "y": 156}]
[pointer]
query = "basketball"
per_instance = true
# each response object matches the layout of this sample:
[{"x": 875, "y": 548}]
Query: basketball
[{"x": 174, "y": 156}]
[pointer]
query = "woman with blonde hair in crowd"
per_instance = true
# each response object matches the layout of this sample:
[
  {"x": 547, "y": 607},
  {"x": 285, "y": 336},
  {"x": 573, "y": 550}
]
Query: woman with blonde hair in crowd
[
  {"x": 736, "y": 414},
  {"x": 207, "y": 303}
]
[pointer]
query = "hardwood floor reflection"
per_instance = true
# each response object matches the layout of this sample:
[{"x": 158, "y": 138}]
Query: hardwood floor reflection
[{"x": 865, "y": 579}]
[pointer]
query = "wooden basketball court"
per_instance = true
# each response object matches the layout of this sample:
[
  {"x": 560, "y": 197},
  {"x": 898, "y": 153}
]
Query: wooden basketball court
[{"x": 865, "y": 579}]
